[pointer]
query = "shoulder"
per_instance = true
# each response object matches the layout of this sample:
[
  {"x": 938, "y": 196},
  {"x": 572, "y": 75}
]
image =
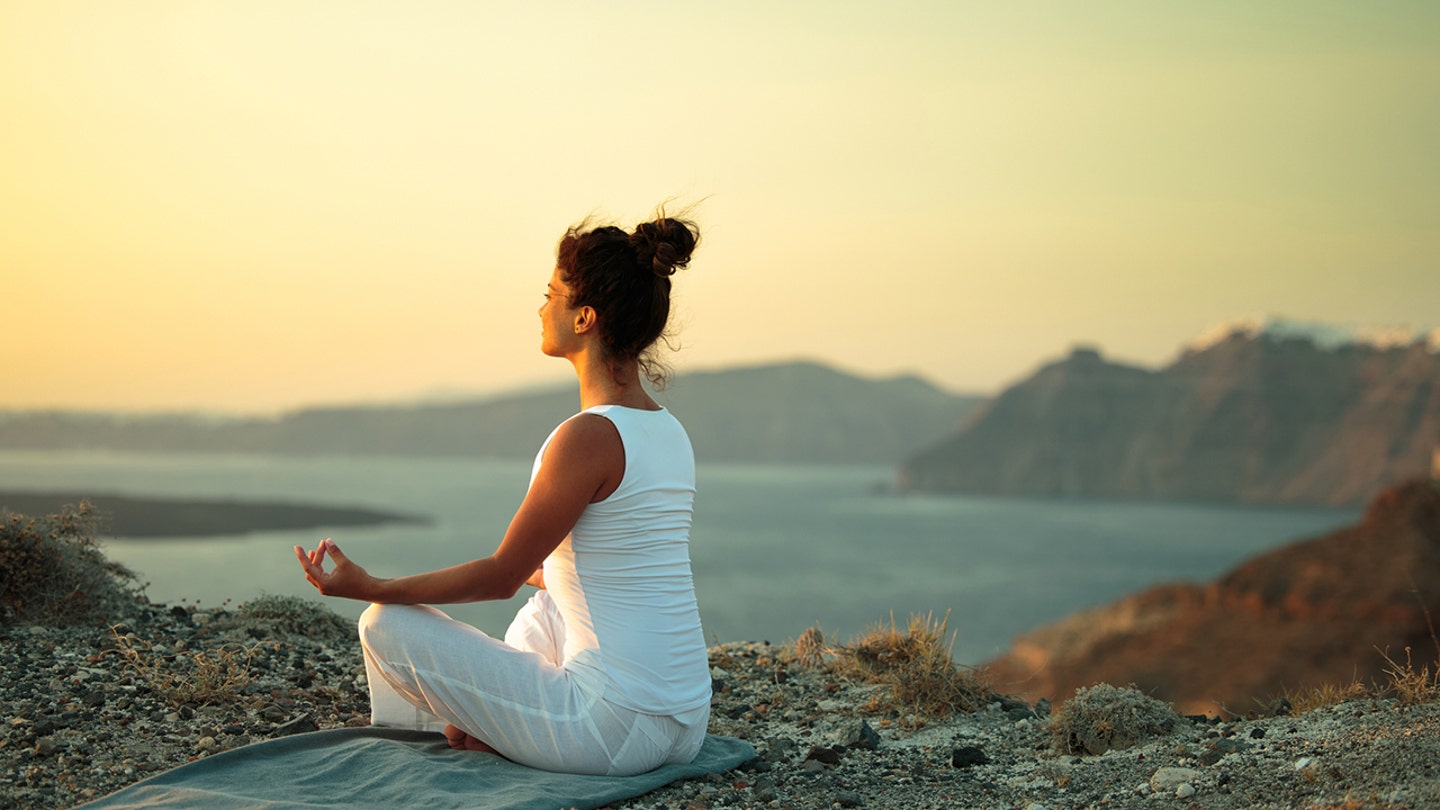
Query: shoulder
[{"x": 585, "y": 435}]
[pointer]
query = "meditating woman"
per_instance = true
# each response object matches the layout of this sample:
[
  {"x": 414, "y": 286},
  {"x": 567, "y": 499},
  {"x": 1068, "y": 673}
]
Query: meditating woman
[{"x": 604, "y": 670}]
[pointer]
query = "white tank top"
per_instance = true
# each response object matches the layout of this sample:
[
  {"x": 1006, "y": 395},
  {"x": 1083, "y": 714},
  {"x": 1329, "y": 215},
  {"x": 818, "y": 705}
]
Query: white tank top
[{"x": 622, "y": 578}]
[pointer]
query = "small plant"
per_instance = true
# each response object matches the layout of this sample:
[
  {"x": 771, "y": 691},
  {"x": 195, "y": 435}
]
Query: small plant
[
  {"x": 1102, "y": 717},
  {"x": 53, "y": 572},
  {"x": 274, "y": 616},
  {"x": 810, "y": 647},
  {"x": 922, "y": 679},
  {"x": 1411, "y": 685},
  {"x": 197, "y": 679},
  {"x": 1330, "y": 694}
]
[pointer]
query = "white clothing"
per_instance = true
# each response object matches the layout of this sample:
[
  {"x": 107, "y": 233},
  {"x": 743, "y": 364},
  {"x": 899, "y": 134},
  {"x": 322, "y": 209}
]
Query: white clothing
[
  {"x": 622, "y": 578},
  {"x": 427, "y": 670},
  {"x": 604, "y": 672}
]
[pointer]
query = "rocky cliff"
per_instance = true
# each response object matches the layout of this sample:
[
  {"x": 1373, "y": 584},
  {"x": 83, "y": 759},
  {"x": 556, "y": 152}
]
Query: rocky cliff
[
  {"x": 1254, "y": 417},
  {"x": 1315, "y": 612}
]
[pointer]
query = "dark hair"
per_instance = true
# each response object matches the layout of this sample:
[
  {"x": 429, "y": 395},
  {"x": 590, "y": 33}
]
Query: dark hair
[{"x": 625, "y": 278}]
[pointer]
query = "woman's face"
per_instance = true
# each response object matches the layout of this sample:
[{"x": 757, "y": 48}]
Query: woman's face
[{"x": 557, "y": 318}]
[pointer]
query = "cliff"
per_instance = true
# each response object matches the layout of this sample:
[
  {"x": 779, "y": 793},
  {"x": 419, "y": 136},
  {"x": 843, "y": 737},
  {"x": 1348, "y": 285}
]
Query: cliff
[
  {"x": 1312, "y": 613},
  {"x": 1254, "y": 418}
]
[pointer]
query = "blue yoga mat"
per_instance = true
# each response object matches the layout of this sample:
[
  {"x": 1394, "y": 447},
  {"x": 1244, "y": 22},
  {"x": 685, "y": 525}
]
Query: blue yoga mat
[{"x": 381, "y": 768}]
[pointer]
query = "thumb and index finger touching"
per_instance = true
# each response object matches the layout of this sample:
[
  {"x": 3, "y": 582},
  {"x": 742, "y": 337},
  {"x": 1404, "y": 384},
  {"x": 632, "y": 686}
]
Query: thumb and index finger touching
[{"x": 316, "y": 559}]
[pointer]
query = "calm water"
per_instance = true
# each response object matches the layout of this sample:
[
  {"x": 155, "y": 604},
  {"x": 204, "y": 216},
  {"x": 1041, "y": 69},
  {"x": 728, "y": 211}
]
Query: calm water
[{"x": 776, "y": 549}]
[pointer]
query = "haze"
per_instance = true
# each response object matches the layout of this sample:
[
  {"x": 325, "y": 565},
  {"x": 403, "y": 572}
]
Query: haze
[{"x": 252, "y": 206}]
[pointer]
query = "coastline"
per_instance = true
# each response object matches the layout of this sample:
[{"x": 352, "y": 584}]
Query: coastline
[
  {"x": 84, "y": 717},
  {"x": 123, "y": 516}
]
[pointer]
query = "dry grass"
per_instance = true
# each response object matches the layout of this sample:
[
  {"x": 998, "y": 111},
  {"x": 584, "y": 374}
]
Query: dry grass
[
  {"x": 1308, "y": 700},
  {"x": 921, "y": 680},
  {"x": 810, "y": 647},
  {"x": 190, "y": 678},
  {"x": 1409, "y": 684}
]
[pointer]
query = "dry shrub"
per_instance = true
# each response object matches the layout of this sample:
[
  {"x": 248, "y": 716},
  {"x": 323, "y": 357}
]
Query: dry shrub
[
  {"x": 1102, "y": 717},
  {"x": 1409, "y": 684},
  {"x": 921, "y": 679},
  {"x": 810, "y": 647},
  {"x": 52, "y": 571},
  {"x": 273, "y": 616},
  {"x": 193, "y": 678}
]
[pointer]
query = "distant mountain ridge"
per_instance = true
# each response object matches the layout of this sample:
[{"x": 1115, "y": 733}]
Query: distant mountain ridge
[
  {"x": 1255, "y": 416},
  {"x": 797, "y": 412}
]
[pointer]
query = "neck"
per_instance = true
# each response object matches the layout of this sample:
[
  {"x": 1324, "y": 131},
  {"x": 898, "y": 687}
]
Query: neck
[{"x": 602, "y": 384}]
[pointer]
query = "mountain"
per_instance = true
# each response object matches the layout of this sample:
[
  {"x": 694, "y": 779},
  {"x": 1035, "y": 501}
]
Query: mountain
[
  {"x": 1275, "y": 415},
  {"x": 793, "y": 412},
  {"x": 1316, "y": 612}
]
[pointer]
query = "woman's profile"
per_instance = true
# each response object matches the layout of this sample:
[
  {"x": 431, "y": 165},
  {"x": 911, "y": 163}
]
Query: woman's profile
[{"x": 604, "y": 670}]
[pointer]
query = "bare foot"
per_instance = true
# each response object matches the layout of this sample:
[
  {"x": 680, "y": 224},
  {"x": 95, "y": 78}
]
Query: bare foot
[{"x": 461, "y": 741}]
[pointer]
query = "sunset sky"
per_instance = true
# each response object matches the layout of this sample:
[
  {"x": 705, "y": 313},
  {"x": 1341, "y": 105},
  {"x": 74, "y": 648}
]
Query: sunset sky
[{"x": 255, "y": 206}]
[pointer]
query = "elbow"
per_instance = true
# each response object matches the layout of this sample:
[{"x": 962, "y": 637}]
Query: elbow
[
  {"x": 497, "y": 589},
  {"x": 509, "y": 590}
]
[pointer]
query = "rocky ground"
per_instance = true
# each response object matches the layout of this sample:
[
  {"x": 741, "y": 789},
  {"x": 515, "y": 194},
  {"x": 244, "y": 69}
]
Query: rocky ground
[{"x": 88, "y": 711}]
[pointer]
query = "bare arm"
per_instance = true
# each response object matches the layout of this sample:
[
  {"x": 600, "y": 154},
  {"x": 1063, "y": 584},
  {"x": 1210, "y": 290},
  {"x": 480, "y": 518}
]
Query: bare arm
[{"x": 584, "y": 462}]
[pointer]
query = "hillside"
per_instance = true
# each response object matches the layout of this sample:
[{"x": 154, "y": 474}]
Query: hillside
[
  {"x": 1312, "y": 613},
  {"x": 793, "y": 412},
  {"x": 1254, "y": 417}
]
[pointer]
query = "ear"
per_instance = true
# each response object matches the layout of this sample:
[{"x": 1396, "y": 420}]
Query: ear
[{"x": 585, "y": 320}]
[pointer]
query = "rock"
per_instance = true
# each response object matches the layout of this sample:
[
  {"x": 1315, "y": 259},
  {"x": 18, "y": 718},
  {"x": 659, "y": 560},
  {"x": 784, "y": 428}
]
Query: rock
[
  {"x": 1226, "y": 745},
  {"x": 1167, "y": 780},
  {"x": 968, "y": 756},
  {"x": 848, "y": 798},
  {"x": 826, "y": 756},
  {"x": 857, "y": 733},
  {"x": 300, "y": 725},
  {"x": 1184, "y": 791},
  {"x": 45, "y": 746}
]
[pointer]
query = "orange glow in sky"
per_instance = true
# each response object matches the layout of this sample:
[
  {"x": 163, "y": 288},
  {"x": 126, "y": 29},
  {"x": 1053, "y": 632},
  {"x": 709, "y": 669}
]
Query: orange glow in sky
[{"x": 252, "y": 206}]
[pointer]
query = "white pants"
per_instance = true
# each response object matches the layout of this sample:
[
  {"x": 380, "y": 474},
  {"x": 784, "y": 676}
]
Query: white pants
[{"x": 426, "y": 670}]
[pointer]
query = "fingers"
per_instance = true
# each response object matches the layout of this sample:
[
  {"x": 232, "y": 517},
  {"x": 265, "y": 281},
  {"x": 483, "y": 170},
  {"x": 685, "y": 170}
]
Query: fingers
[
  {"x": 335, "y": 553},
  {"x": 313, "y": 571}
]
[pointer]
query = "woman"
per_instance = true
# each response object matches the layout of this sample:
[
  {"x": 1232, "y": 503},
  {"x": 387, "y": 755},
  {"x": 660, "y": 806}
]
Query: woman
[{"x": 604, "y": 670}]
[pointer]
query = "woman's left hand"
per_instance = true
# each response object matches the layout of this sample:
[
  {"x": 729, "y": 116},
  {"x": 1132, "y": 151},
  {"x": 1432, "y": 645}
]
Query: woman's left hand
[{"x": 347, "y": 579}]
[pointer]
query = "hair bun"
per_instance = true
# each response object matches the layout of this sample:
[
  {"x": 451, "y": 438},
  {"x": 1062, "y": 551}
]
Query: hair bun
[{"x": 664, "y": 245}]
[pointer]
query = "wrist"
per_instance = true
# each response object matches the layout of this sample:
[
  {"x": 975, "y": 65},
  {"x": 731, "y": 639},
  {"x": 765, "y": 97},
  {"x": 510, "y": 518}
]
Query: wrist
[{"x": 377, "y": 590}]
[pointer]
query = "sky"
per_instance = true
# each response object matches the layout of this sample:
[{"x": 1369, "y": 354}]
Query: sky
[{"x": 256, "y": 206}]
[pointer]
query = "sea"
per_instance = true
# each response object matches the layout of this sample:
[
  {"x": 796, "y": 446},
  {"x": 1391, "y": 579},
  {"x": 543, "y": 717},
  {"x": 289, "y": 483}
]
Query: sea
[{"x": 776, "y": 549}]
